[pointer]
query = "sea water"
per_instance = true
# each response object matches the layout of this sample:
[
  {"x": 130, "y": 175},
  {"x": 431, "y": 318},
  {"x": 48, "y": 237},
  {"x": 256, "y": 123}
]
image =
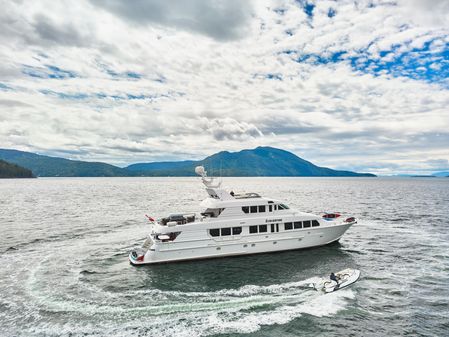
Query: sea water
[{"x": 64, "y": 269}]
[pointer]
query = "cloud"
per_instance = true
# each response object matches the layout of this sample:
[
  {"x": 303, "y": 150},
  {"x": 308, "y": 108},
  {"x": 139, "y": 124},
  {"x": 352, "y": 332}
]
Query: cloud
[
  {"x": 433, "y": 13},
  {"x": 221, "y": 20},
  {"x": 13, "y": 103},
  {"x": 230, "y": 129},
  {"x": 64, "y": 34},
  {"x": 365, "y": 87}
]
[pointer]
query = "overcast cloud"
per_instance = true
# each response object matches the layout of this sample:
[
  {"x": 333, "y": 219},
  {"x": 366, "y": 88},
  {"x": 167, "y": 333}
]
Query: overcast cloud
[{"x": 346, "y": 84}]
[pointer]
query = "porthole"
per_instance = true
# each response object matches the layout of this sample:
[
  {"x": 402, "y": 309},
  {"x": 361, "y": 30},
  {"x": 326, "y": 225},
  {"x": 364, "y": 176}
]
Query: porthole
[
  {"x": 245, "y": 245},
  {"x": 218, "y": 248},
  {"x": 253, "y": 245},
  {"x": 274, "y": 242}
]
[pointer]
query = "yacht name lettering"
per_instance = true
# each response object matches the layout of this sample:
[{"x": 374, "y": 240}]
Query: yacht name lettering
[{"x": 273, "y": 220}]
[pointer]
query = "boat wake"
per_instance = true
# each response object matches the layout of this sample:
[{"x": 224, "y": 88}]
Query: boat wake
[{"x": 69, "y": 292}]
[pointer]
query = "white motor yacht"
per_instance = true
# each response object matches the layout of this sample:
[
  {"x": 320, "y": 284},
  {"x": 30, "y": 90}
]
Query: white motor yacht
[{"x": 235, "y": 224}]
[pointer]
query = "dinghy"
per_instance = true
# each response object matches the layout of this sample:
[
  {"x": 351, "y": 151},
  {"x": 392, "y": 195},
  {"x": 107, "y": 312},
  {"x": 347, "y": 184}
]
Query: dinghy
[{"x": 345, "y": 278}]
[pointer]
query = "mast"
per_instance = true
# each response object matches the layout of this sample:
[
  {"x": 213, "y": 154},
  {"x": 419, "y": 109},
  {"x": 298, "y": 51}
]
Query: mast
[{"x": 213, "y": 185}]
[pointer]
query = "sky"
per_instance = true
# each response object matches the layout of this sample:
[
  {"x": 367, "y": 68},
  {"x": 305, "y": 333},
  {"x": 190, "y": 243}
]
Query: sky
[{"x": 358, "y": 85}]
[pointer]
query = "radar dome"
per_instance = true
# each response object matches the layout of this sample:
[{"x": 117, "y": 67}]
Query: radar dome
[{"x": 200, "y": 171}]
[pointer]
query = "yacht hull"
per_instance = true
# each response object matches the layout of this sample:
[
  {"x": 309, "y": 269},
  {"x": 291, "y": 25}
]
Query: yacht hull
[{"x": 244, "y": 245}]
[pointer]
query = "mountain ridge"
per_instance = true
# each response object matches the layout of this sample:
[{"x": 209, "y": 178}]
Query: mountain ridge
[
  {"x": 261, "y": 161},
  {"x": 46, "y": 166},
  {"x": 10, "y": 170}
]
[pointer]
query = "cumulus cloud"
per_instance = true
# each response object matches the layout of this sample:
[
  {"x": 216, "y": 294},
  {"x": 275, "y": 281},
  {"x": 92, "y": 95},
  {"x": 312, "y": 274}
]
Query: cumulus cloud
[
  {"x": 221, "y": 20},
  {"x": 230, "y": 129},
  {"x": 353, "y": 85},
  {"x": 64, "y": 34},
  {"x": 433, "y": 13}
]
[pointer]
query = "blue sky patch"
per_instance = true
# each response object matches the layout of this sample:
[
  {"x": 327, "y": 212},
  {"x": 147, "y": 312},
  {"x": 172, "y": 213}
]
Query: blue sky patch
[
  {"x": 418, "y": 63},
  {"x": 307, "y": 7},
  {"x": 117, "y": 97},
  {"x": 49, "y": 71},
  {"x": 331, "y": 12},
  {"x": 4, "y": 87},
  {"x": 132, "y": 74},
  {"x": 56, "y": 72},
  {"x": 269, "y": 76},
  {"x": 62, "y": 95}
]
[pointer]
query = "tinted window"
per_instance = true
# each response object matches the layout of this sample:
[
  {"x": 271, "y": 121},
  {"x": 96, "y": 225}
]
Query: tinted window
[
  {"x": 252, "y": 229},
  {"x": 263, "y": 228},
  {"x": 225, "y": 231},
  {"x": 284, "y": 206},
  {"x": 214, "y": 232},
  {"x": 277, "y": 227},
  {"x": 236, "y": 230},
  {"x": 315, "y": 223},
  {"x": 306, "y": 223},
  {"x": 281, "y": 206},
  {"x": 253, "y": 209},
  {"x": 245, "y": 209},
  {"x": 261, "y": 208},
  {"x": 272, "y": 227},
  {"x": 270, "y": 208},
  {"x": 298, "y": 224},
  {"x": 275, "y": 207},
  {"x": 288, "y": 226}
]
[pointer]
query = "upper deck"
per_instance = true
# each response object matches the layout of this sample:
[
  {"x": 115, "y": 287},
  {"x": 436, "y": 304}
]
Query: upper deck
[{"x": 221, "y": 205}]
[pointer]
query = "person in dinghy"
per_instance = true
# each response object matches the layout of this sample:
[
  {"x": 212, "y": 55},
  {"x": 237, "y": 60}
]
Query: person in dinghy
[{"x": 334, "y": 278}]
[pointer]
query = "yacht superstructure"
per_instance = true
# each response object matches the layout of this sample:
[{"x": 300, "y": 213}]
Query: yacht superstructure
[{"x": 235, "y": 224}]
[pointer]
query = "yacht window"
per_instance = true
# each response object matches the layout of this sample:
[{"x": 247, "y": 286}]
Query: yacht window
[
  {"x": 252, "y": 229},
  {"x": 253, "y": 209},
  {"x": 261, "y": 209},
  {"x": 214, "y": 232},
  {"x": 236, "y": 230},
  {"x": 288, "y": 226},
  {"x": 307, "y": 224},
  {"x": 277, "y": 227},
  {"x": 315, "y": 223},
  {"x": 298, "y": 224},
  {"x": 225, "y": 231},
  {"x": 263, "y": 229},
  {"x": 270, "y": 208},
  {"x": 275, "y": 207},
  {"x": 284, "y": 206},
  {"x": 245, "y": 209},
  {"x": 272, "y": 228}
]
